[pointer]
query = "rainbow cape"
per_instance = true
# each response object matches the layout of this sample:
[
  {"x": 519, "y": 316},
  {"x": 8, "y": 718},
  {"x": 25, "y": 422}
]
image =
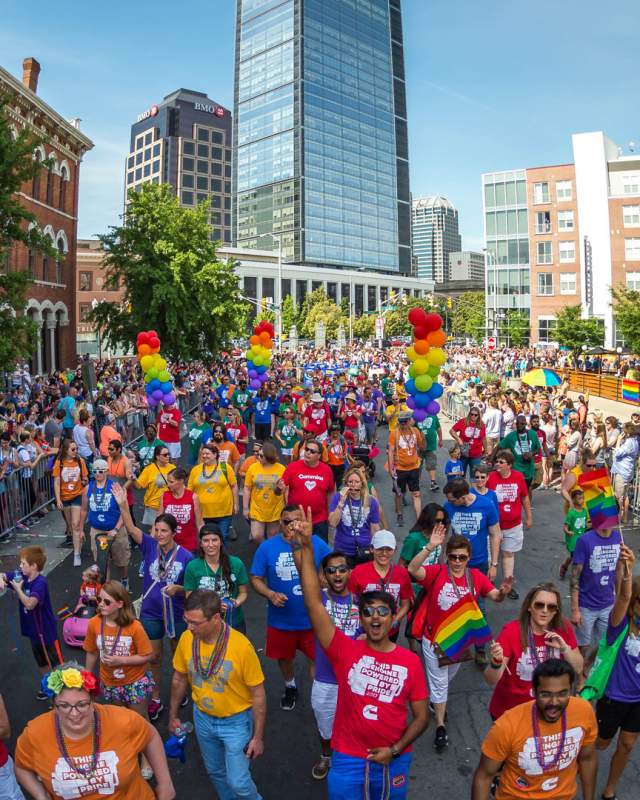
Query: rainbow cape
[
  {"x": 630, "y": 391},
  {"x": 599, "y": 498},
  {"x": 462, "y": 626}
]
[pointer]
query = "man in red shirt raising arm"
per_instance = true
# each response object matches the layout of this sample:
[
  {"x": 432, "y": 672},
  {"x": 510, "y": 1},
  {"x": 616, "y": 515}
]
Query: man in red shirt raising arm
[{"x": 377, "y": 682}]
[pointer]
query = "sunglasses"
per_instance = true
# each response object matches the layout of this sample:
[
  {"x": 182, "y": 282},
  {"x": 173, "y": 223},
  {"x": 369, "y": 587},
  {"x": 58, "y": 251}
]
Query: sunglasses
[
  {"x": 342, "y": 570},
  {"x": 376, "y": 611},
  {"x": 99, "y": 471},
  {"x": 500, "y": 461},
  {"x": 441, "y": 520},
  {"x": 591, "y": 464},
  {"x": 540, "y": 606},
  {"x": 105, "y": 601},
  {"x": 462, "y": 557},
  {"x": 166, "y": 453},
  {"x": 311, "y": 452}
]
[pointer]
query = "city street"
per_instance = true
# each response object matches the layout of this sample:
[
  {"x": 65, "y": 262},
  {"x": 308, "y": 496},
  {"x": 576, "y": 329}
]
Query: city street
[{"x": 291, "y": 746}]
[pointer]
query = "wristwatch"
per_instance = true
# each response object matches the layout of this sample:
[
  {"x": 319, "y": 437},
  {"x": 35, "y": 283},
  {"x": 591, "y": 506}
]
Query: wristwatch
[
  {"x": 495, "y": 565},
  {"x": 394, "y": 751}
]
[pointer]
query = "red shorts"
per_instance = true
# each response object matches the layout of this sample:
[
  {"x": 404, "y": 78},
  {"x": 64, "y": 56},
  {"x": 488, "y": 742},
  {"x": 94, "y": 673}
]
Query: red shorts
[{"x": 284, "y": 644}]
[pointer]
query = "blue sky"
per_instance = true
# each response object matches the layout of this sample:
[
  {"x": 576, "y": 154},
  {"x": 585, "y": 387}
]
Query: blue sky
[{"x": 490, "y": 85}]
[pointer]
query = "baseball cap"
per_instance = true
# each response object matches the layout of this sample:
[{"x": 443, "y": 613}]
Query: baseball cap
[
  {"x": 316, "y": 398},
  {"x": 100, "y": 463},
  {"x": 404, "y": 416},
  {"x": 383, "y": 538}
]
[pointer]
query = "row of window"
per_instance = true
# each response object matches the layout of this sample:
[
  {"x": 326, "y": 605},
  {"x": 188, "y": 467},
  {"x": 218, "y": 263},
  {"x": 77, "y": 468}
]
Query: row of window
[
  {"x": 568, "y": 283},
  {"x": 143, "y": 155},
  {"x": 50, "y": 194},
  {"x": 203, "y": 183},
  {"x": 144, "y": 172},
  {"x": 544, "y": 224},
  {"x": 566, "y": 252},
  {"x": 203, "y": 167},
  {"x": 541, "y": 194},
  {"x": 191, "y": 198},
  {"x": 145, "y": 138}
]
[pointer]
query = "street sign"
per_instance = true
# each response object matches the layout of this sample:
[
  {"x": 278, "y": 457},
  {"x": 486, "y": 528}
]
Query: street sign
[
  {"x": 491, "y": 343},
  {"x": 379, "y": 327}
]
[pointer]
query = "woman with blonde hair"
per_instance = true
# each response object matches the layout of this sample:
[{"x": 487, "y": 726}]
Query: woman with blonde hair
[{"x": 355, "y": 515}]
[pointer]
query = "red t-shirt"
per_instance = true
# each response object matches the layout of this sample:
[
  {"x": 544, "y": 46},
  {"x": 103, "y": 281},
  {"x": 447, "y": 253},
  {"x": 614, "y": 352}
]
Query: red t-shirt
[
  {"x": 511, "y": 690},
  {"x": 4, "y": 754},
  {"x": 441, "y": 594},
  {"x": 374, "y": 690},
  {"x": 309, "y": 487},
  {"x": 167, "y": 433},
  {"x": 473, "y": 435},
  {"x": 183, "y": 510},
  {"x": 542, "y": 437},
  {"x": 511, "y": 492},
  {"x": 350, "y": 419},
  {"x": 317, "y": 418},
  {"x": 238, "y": 432},
  {"x": 397, "y": 581}
]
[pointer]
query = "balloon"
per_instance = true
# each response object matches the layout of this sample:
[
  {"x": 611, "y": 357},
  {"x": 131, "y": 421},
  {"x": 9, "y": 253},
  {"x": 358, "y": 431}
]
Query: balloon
[
  {"x": 257, "y": 361},
  {"x": 263, "y": 378},
  {"x": 152, "y": 373},
  {"x": 436, "y": 357},
  {"x": 143, "y": 350},
  {"x": 417, "y": 316},
  {"x": 254, "y": 340},
  {"x": 434, "y": 371},
  {"x": 411, "y": 353},
  {"x": 152, "y": 402},
  {"x": 412, "y": 371},
  {"x": 421, "y": 346},
  {"x": 411, "y": 403},
  {"x": 422, "y": 400},
  {"x": 253, "y": 373},
  {"x": 420, "y": 332},
  {"x": 264, "y": 337},
  {"x": 164, "y": 376},
  {"x": 143, "y": 338},
  {"x": 152, "y": 335},
  {"x": 437, "y": 338},
  {"x": 155, "y": 350},
  {"x": 269, "y": 344},
  {"x": 436, "y": 390},
  {"x": 154, "y": 342},
  {"x": 419, "y": 415},
  {"x": 166, "y": 387},
  {"x": 155, "y": 384},
  {"x": 410, "y": 387},
  {"x": 433, "y": 322},
  {"x": 148, "y": 377},
  {"x": 160, "y": 364},
  {"x": 423, "y": 383},
  {"x": 255, "y": 384},
  {"x": 261, "y": 369},
  {"x": 421, "y": 365},
  {"x": 169, "y": 399},
  {"x": 146, "y": 362},
  {"x": 158, "y": 394},
  {"x": 433, "y": 407}
]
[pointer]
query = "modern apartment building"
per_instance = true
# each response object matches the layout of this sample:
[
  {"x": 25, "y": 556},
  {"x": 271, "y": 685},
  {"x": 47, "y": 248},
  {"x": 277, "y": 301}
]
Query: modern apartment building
[
  {"x": 320, "y": 133},
  {"x": 563, "y": 235},
  {"x": 435, "y": 235},
  {"x": 185, "y": 141}
]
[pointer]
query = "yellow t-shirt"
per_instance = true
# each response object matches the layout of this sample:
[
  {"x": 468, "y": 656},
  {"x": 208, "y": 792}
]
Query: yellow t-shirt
[
  {"x": 213, "y": 488},
  {"x": 153, "y": 480},
  {"x": 228, "y": 691},
  {"x": 392, "y": 412},
  {"x": 265, "y": 505}
]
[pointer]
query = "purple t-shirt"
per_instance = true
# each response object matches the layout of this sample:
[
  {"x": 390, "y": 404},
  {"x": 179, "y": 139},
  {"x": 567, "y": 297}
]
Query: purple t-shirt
[
  {"x": 175, "y": 567},
  {"x": 598, "y": 556},
  {"x": 41, "y": 620},
  {"x": 624, "y": 683},
  {"x": 344, "y": 612},
  {"x": 369, "y": 410},
  {"x": 354, "y": 527}
]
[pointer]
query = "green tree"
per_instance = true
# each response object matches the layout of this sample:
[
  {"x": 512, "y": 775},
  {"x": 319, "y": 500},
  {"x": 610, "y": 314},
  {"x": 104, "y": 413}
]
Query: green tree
[
  {"x": 325, "y": 311},
  {"x": 17, "y": 166},
  {"x": 572, "y": 331},
  {"x": 468, "y": 316},
  {"x": 364, "y": 326},
  {"x": 310, "y": 300},
  {"x": 173, "y": 282},
  {"x": 518, "y": 329},
  {"x": 626, "y": 310},
  {"x": 288, "y": 314}
]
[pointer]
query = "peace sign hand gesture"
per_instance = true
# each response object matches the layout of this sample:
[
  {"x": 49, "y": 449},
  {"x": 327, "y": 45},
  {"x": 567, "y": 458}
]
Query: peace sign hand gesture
[{"x": 303, "y": 528}]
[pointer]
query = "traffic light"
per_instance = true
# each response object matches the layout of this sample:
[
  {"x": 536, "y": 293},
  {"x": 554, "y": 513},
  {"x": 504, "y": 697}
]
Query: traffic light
[{"x": 449, "y": 303}]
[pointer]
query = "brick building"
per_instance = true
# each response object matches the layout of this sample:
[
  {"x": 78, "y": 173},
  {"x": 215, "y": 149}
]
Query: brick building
[
  {"x": 53, "y": 197},
  {"x": 91, "y": 287}
]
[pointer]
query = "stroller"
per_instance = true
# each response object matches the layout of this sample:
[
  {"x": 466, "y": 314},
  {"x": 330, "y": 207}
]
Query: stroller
[{"x": 366, "y": 453}]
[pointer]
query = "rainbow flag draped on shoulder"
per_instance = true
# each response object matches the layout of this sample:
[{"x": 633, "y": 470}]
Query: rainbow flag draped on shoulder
[
  {"x": 463, "y": 626},
  {"x": 599, "y": 498}
]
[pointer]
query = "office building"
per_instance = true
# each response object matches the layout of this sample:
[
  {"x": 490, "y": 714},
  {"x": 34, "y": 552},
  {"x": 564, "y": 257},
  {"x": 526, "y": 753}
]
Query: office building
[
  {"x": 185, "y": 141},
  {"x": 321, "y": 153},
  {"x": 465, "y": 265},
  {"x": 568, "y": 231},
  {"x": 52, "y": 196},
  {"x": 435, "y": 234}
]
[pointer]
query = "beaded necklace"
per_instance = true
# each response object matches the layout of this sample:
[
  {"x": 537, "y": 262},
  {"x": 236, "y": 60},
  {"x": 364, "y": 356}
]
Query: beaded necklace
[
  {"x": 85, "y": 772},
  {"x": 533, "y": 650},
  {"x": 103, "y": 645},
  {"x": 217, "y": 654},
  {"x": 537, "y": 738}
]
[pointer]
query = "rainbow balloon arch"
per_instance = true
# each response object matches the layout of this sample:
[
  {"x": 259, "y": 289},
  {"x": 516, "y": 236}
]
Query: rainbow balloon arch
[
  {"x": 259, "y": 354},
  {"x": 427, "y": 357},
  {"x": 157, "y": 378}
]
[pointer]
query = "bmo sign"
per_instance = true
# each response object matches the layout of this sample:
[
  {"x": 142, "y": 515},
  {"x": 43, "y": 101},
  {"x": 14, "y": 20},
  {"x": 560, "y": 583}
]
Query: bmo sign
[
  {"x": 208, "y": 108},
  {"x": 150, "y": 112}
]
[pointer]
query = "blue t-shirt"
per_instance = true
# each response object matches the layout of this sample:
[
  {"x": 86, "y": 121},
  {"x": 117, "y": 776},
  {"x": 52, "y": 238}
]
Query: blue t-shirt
[
  {"x": 490, "y": 494},
  {"x": 598, "y": 556},
  {"x": 473, "y": 522},
  {"x": 103, "y": 509},
  {"x": 273, "y": 561},
  {"x": 454, "y": 468},
  {"x": 263, "y": 408},
  {"x": 67, "y": 404},
  {"x": 223, "y": 400},
  {"x": 41, "y": 620},
  {"x": 175, "y": 567}
]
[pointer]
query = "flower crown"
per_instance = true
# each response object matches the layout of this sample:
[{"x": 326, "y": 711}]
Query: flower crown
[{"x": 68, "y": 678}]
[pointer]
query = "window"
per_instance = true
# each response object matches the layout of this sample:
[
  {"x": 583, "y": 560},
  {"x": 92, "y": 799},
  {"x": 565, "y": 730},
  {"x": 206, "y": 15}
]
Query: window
[
  {"x": 147, "y": 170},
  {"x": 147, "y": 154},
  {"x": 216, "y": 234},
  {"x": 130, "y": 177},
  {"x": 543, "y": 222},
  {"x": 565, "y": 220},
  {"x": 187, "y": 181},
  {"x": 139, "y": 142},
  {"x": 631, "y": 184},
  {"x": 227, "y": 236},
  {"x": 633, "y": 281},
  {"x": 203, "y": 151},
  {"x": 216, "y": 137},
  {"x": 59, "y": 260},
  {"x": 35, "y": 183},
  {"x": 567, "y": 252},
  {"x": 227, "y": 187},
  {"x": 187, "y": 197},
  {"x": 203, "y": 135},
  {"x": 216, "y": 218},
  {"x": 567, "y": 283},
  {"x": 188, "y": 148},
  {"x": 545, "y": 284},
  {"x": 139, "y": 173},
  {"x": 45, "y": 267},
  {"x": 31, "y": 263},
  {"x": 631, "y": 216},
  {"x": 202, "y": 183},
  {"x": 227, "y": 155},
  {"x": 85, "y": 281},
  {"x": 139, "y": 158},
  {"x": 216, "y": 185},
  {"x": 563, "y": 190},
  {"x": 546, "y": 329},
  {"x": 227, "y": 203},
  {"x": 216, "y": 153},
  {"x": 148, "y": 137},
  {"x": 130, "y": 162},
  {"x": 203, "y": 167},
  {"x": 187, "y": 164},
  {"x": 155, "y": 166},
  {"x": 540, "y": 192},
  {"x": 227, "y": 170},
  {"x": 632, "y": 249},
  {"x": 156, "y": 150},
  {"x": 62, "y": 190},
  {"x": 216, "y": 169},
  {"x": 227, "y": 220},
  {"x": 84, "y": 309},
  {"x": 545, "y": 255},
  {"x": 49, "y": 192},
  {"x": 201, "y": 198}
]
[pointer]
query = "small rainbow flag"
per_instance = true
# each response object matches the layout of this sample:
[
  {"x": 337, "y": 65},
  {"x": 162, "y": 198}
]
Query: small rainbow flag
[
  {"x": 599, "y": 498},
  {"x": 630, "y": 391},
  {"x": 463, "y": 626}
]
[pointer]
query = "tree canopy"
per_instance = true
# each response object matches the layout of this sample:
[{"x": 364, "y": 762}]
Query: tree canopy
[
  {"x": 626, "y": 310},
  {"x": 469, "y": 315},
  {"x": 572, "y": 331},
  {"x": 518, "y": 328}
]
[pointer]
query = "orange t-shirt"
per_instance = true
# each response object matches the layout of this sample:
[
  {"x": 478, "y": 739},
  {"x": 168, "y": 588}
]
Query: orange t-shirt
[
  {"x": 405, "y": 448},
  {"x": 246, "y": 464},
  {"x": 133, "y": 642},
  {"x": 337, "y": 452},
  {"x": 71, "y": 474},
  {"x": 511, "y": 741},
  {"x": 123, "y": 736},
  {"x": 228, "y": 453}
]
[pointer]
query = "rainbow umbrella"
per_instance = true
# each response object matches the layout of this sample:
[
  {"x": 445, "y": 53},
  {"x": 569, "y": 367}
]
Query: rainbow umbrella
[{"x": 542, "y": 377}]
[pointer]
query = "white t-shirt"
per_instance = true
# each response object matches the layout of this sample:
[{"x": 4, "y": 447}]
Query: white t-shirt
[{"x": 493, "y": 420}]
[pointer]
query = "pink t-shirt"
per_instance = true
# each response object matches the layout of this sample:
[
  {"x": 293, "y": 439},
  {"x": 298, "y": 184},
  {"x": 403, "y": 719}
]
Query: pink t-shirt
[
  {"x": 397, "y": 581},
  {"x": 309, "y": 487},
  {"x": 473, "y": 435},
  {"x": 510, "y": 492}
]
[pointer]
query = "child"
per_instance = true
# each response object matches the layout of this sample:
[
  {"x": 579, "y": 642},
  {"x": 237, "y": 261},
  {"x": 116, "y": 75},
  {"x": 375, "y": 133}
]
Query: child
[
  {"x": 454, "y": 467},
  {"x": 575, "y": 524},
  {"x": 90, "y": 586},
  {"x": 37, "y": 620}
]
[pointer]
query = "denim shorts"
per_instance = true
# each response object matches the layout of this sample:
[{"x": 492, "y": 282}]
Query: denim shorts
[
  {"x": 347, "y": 777},
  {"x": 155, "y": 628}
]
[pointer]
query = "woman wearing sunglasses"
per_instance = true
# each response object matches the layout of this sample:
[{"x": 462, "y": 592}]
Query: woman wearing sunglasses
[
  {"x": 538, "y": 634},
  {"x": 153, "y": 479}
]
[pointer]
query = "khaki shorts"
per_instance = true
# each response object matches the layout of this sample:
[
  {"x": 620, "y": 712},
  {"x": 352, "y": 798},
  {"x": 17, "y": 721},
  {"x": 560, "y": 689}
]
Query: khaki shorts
[
  {"x": 620, "y": 488},
  {"x": 120, "y": 549}
]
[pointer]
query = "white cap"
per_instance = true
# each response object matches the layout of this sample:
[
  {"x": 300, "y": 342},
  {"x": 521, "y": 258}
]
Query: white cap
[
  {"x": 383, "y": 538},
  {"x": 316, "y": 398}
]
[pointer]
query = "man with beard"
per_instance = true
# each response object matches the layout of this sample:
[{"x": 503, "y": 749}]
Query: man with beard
[
  {"x": 378, "y": 683},
  {"x": 228, "y": 451},
  {"x": 541, "y": 745},
  {"x": 524, "y": 444}
]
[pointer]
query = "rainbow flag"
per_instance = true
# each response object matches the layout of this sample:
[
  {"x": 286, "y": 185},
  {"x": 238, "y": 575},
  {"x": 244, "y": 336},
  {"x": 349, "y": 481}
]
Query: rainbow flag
[
  {"x": 461, "y": 627},
  {"x": 599, "y": 498},
  {"x": 630, "y": 391}
]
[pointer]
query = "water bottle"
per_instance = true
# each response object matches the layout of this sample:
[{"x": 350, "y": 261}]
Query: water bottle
[
  {"x": 184, "y": 730},
  {"x": 18, "y": 577}
]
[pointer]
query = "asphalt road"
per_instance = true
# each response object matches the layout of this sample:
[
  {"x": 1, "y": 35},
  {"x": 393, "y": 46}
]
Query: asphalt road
[{"x": 291, "y": 746}]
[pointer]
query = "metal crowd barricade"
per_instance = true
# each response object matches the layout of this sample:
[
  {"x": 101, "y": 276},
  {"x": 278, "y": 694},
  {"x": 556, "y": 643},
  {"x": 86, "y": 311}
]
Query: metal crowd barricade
[
  {"x": 634, "y": 503},
  {"x": 22, "y": 497},
  {"x": 456, "y": 405}
]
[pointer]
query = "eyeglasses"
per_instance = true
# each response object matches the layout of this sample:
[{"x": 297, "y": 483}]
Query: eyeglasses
[
  {"x": 440, "y": 519},
  {"x": 474, "y": 415},
  {"x": 540, "y": 606},
  {"x": 376, "y": 611},
  {"x": 105, "y": 601},
  {"x": 562, "y": 695},
  {"x": 590, "y": 464},
  {"x": 339, "y": 570},
  {"x": 111, "y": 449},
  {"x": 67, "y": 708},
  {"x": 462, "y": 557},
  {"x": 500, "y": 461}
]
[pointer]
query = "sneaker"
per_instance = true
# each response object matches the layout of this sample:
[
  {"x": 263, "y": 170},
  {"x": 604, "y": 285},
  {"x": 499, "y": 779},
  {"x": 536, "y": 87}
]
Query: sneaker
[
  {"x": 77, "y": 560},
  {"x": 185, "y": 701},
  {"x": 321, "y": 769},
  {"x": 442, "y": 740},
  {"x": 288, "y": 699},
  {"x": 400, "y": 520},
  {"x": 513, "y": 595},
  {"x": 42, "y": 696},
  {"x": 434, "y": 487},
  {"x": 68, "y": 542},
  {"x": 155, "y": 709}
]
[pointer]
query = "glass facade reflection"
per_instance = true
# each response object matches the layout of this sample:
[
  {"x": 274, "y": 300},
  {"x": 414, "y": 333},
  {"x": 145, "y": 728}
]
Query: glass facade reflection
[{"x": 321, "y": 141}]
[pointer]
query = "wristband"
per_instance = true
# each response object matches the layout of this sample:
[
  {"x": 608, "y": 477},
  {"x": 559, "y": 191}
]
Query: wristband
[{"x": 493, "y": 665}]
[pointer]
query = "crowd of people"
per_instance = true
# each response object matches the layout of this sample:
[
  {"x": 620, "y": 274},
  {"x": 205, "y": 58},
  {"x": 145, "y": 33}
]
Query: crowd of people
[{"x": 383, "y": 620}]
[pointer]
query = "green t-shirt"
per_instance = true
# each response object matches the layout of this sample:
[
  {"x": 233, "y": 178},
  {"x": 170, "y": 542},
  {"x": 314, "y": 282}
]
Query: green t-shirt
[
  {"x": 430, "y": 426},
  {"x": 576, "y": 521},
  {"x": 242, "y": 400},
  {"x": 412, "y": 545},
  {"x": 199, "y": 575},
  {"x": 290, "y": 432},
  {"x": 520, "y": 443},
  {"x": 145, "y": 450},
  {"x": 386, "y": 384},
  {"x": 198, "y": 434}
]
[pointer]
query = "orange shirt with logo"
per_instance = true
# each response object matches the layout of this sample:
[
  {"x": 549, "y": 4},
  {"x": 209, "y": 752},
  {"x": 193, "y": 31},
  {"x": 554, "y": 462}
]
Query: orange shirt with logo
[
  {"x": 406, "y": 448},
  {"x": 71, "y": 473},
  {"x": 133, "y": 642}
]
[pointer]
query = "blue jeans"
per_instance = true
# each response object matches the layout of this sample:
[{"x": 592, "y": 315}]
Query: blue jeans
[
  {"x": 470, "y": 464},
  {"x": 347, "y": 777},
  {"x": 222, "y": 741},
  {"x": 224, "y": 523}
]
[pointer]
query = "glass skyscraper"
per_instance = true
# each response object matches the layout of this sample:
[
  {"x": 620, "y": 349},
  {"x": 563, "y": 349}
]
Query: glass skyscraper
[{"x": 320, "y": 145}]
